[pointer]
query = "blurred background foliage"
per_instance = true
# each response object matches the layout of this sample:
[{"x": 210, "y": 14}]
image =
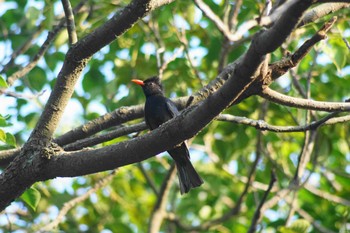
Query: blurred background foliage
[{"x": 223, "y": 153}]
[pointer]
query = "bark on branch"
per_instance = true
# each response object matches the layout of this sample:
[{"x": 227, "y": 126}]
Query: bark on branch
[{"x": 28, "y": 167}]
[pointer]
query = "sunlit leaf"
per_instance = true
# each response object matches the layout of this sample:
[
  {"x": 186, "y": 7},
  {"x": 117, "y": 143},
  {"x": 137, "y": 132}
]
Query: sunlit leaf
[
  {"x": 31, "y": 197},
  {"x": 2, "y": 135},
  {"x": 3, "y": 82},
  {"x": 10, "y": 140}
]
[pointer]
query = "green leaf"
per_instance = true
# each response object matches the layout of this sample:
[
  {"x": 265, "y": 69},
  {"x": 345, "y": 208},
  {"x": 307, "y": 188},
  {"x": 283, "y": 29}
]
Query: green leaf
[
  {"x": 10, "y": 140},
  {"x": 298, "y": 226},
  {"x": 31, "y": 197},
  {"x": 2, "y": 135},
  {"x": 49, "y": 14},
  {"x": 37, "y": 78},
  {"x": 337, "y": 52},
  {"x": 2, "y": 122},
  {"x": 3, "y": 82}
]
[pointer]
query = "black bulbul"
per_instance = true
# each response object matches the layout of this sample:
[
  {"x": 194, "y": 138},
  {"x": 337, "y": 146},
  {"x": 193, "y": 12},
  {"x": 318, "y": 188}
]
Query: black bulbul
[{"x": 159, "y": 109}]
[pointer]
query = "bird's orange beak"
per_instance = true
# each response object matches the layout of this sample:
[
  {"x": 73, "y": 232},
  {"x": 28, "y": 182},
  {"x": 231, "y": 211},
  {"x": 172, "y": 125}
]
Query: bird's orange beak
[{"x": 138, "y": 82}]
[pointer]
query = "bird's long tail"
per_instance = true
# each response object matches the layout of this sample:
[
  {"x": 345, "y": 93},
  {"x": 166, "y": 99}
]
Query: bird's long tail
[{"x": 188, "y": 177}]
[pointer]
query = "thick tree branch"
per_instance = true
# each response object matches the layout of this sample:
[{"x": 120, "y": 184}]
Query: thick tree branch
[
  {"x": 92, "y": 141},
  {"x": 19, "y": 175},
  {"x": 124, "y": 114},
  {"x": 77, "y": 58},
  {"x": 239, "y": 78},
  {"x": 115, "y": 27},
  {"x": 115, "y": 118}
]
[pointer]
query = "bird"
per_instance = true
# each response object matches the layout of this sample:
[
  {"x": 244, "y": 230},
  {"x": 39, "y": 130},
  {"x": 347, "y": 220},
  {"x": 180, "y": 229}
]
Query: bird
[{"x": 158, "y": 110}]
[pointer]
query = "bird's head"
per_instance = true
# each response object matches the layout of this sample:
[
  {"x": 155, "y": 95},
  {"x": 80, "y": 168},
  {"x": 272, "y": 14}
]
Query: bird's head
[{"x": 151, "y": 86}]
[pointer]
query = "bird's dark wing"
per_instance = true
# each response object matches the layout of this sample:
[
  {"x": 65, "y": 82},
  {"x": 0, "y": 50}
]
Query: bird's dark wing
[{"x": 171, "y": 107}]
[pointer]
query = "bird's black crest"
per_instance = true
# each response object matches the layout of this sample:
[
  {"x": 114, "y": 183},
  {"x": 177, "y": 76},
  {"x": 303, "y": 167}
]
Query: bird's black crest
[{"x": 154, "y": 79}]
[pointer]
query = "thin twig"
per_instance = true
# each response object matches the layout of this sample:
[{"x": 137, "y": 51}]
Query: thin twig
[
  {"x": 305, "y": 155},
  {"x": 263, "y": 125},
  {"x": 74, "y": 202},
  {"x": 25, "y": 46},
  {"x": 346, "y": 43},
  {"x": 256, "y": 219},
  {"x": 159, "y": 210},
  {"x": 234, "y": 15},
  {"x": 181, "y": 35},
  {"x": 50, "y": 37},
  {"x": 279, "y": 68},
  {"x": 167, "y": 62},
  {"x": 72, "y": 34},
  {"x": 232, "y": 212},
  {"x": 227, "y": 45},
  {"x": 314, "y": 222},
  {"x": 148, "y": 179},
  {"x": 224, "y": 29},
  {"x": 327, "y": 196},
  {"x": 258, "y": 212},
  {"x": 21, "y": 96}
]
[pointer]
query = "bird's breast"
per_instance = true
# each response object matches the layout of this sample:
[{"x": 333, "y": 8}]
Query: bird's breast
[{"x": 156, "y": 112}]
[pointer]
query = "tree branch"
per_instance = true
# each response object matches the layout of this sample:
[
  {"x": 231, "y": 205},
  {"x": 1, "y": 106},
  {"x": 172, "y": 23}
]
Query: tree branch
[
  {"x": 258, "y": 211},
  {"x": 23, "y": 48},
  {"x": 279, "y": 68},
  {"x": 263, "y": 125},
  {"x": 321, "y": 11},
  {"x": 327, "y": 196},
  {"x": 315, "y": 223},
  {"x": 279, "y": 98},
  {"x": 239, "y": 76},
  {"x": 74, "y": 202},
  {"x": 14, "y": 180},
  {"x": 92, "y": 141},
  {"x": 6, "y": 156},
  {"x": 72, "y": 34},
  {"x": 148, "y": 179},
  {"x": 159, "y": 210},
  {"x": 115, "y": 118},
  {"x": 50, "y": 37},
  {"x": 223, "y": 28}
]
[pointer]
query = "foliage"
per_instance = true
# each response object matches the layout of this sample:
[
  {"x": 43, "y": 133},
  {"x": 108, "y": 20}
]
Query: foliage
[{"x": 223, "y": 153}]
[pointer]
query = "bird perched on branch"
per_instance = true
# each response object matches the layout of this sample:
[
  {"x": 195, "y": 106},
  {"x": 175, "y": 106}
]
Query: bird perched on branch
[{"x": 159, "y": 109}]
